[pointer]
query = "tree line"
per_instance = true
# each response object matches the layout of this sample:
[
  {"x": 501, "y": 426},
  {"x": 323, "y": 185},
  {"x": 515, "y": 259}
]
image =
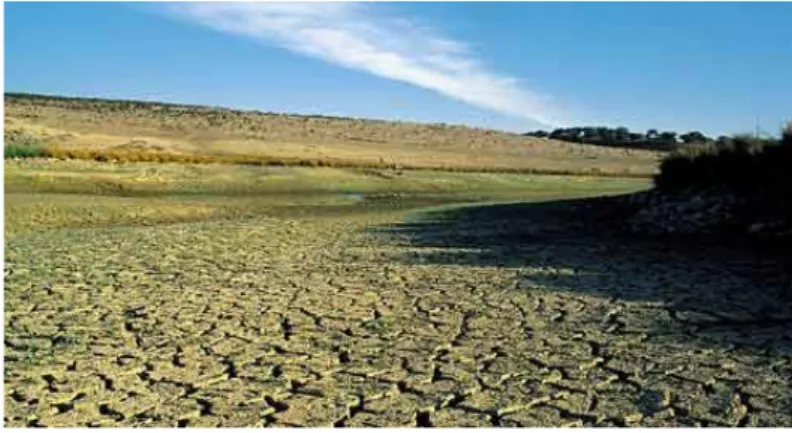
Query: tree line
[{"x": 623, "y": 137}]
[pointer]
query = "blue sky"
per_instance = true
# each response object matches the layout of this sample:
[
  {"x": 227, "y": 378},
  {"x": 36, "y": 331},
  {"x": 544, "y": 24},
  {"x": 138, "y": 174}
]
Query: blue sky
[{"x": 715, "y": 67}]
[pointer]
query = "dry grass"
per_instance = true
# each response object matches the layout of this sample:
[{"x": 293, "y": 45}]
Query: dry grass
[{"x": 104, "y": 130}]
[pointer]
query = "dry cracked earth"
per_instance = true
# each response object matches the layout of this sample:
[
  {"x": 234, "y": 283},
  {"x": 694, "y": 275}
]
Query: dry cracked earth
[{"x": 478, "y": 319}]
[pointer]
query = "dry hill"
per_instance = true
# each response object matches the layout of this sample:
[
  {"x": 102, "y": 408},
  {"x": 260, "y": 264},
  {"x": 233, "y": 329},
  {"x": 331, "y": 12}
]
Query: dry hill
[{"x": 98, "y": 125}]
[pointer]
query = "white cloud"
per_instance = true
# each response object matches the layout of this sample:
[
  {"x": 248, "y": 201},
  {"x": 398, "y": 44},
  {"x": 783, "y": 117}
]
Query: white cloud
[{"x": 355, "y": 36}]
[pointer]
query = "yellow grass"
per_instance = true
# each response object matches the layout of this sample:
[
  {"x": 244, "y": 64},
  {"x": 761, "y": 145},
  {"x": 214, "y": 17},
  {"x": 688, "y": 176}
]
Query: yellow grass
[{"x": 156, "y": 132}]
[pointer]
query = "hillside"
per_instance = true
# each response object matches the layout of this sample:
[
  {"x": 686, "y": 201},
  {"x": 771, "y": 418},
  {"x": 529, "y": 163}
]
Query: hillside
[{"x": 108, "y": 125}]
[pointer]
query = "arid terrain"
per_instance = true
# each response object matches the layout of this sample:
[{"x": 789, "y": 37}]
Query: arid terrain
[
  {"x": 119, "y": 127},
  {"x": 400, "y": 215},
  {"x": 215, "y": 295}
]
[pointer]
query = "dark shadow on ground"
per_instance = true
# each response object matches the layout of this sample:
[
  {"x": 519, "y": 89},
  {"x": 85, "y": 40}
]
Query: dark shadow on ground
[
  {"x": 682, "y": 294},
  {"x": 732, "y": 287}
]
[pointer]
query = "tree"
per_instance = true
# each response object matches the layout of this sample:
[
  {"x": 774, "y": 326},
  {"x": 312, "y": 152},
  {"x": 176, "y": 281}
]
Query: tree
[
  {"x": 538, "y": 133},
  {"x": 591, "y": 135},
  {"x": 637, "y": 139},
  {"x": 694, "y": 137},
  {"x": 621, "y": 135},
  {"x": 667, "y": 139}
]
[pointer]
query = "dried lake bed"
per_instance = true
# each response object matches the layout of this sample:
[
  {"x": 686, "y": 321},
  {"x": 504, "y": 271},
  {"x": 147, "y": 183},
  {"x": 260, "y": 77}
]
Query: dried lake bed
[{"x": 150, "y": 301}]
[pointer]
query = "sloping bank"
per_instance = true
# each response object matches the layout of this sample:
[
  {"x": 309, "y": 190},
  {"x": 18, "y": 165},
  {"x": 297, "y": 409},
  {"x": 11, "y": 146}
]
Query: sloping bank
[
  {"x": 710, "y": 212},
  {"x": 743, "y": 191}
]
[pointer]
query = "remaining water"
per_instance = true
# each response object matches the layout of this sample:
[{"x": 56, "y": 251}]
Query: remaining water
[{"x": 356, "y": 196}]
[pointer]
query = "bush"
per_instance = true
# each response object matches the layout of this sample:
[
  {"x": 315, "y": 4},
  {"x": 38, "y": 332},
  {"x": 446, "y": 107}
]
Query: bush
[
  {"x": 786, "y": 135},
  {"x": 741, "y": 164},
  {"x": 20, "y": 144},
  {"x": 758, "y": 170}
]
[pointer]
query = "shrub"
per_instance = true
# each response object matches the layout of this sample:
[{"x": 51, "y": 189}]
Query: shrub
[
  {"x": 741, "y": 164},
  {"x": 786, "y": 135},
  {"x": 20, "y": 144},
  {"x": 758, "y": 170}
]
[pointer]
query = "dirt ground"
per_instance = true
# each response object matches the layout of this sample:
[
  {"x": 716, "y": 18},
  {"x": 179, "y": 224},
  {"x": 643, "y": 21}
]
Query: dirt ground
[{"x": 507, "y": 315}]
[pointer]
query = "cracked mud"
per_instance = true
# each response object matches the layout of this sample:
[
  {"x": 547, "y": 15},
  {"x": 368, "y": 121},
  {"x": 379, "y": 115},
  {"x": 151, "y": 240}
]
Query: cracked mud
[{"x": 368, "y": 321}]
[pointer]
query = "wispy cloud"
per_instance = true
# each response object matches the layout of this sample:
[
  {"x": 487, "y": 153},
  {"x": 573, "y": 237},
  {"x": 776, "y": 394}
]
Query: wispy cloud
[{"x": 358, "y": 36}]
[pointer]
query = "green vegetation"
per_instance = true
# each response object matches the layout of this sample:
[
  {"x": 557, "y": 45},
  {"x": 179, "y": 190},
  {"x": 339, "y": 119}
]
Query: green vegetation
[
  {"x": 758, "y": 170},
  {"x": 18, "y": 144},
  {"x": 60, "y": 194},
  {"x": 619, "y": 137},
  {"x": 743, "y": 165},
  {"x": 622, "y": 137}
]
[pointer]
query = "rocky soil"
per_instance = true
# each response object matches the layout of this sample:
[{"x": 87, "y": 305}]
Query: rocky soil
[{"x": 698, "y": 211}]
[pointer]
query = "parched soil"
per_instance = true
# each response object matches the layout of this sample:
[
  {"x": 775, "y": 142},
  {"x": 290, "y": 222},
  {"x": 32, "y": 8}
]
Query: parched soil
[{"x": 508, "y": 315}]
